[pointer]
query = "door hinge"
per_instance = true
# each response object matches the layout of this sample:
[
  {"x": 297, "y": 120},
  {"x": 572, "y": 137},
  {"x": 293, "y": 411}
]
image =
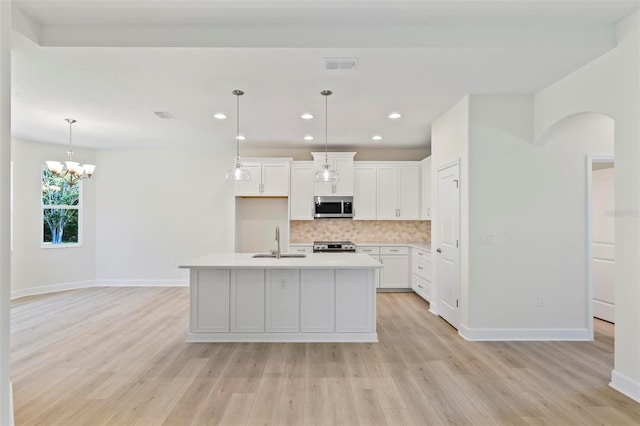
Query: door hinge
[
  {"x": 456, "y": 181},
  {"x": 456, "y": 303},
  {"x": 456, "y": 243}
]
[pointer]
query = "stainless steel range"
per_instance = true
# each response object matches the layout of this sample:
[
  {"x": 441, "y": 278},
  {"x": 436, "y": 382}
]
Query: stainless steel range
[{"x": 334, "y": 247}]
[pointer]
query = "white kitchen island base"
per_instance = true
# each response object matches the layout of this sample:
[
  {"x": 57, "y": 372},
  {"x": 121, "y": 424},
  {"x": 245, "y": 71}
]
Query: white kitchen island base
[{"x": 320, "y": 298}]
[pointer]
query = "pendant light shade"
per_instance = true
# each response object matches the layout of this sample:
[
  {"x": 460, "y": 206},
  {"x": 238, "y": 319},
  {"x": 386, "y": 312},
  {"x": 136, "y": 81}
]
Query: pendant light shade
[
  {"x": 326, "y": 174},
  {"x": 238, "y": 173}
]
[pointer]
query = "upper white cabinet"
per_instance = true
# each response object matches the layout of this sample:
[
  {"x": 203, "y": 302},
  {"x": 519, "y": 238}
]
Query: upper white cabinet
[
  {"x": 269, "y": 177},
  {"x": 425, "y": 209},
  {"x": 364, "y": 191},
  {"x": 342, "y": 162},
  {"x": 301, "y": 197},
  {"x": 398, "y": 191}
]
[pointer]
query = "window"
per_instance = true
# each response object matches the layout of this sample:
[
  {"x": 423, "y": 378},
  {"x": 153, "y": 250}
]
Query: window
[{"x": 60, "y": 211}]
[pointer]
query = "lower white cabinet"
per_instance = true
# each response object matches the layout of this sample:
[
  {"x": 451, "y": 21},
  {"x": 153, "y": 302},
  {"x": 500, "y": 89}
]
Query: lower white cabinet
[
  {"x": 210, "y": 296},
  {"x": 297, "y": 248},
  {"x": 395, "y": 271},
  {"x": 421, "y": 273},
  {"x": 373, "y": 251},
  {"x": 317, "y": 300},
  {"x": 355, "y": 300},
  {"x": 282, "y": 302},
  {"x": 247, "y": 300}
]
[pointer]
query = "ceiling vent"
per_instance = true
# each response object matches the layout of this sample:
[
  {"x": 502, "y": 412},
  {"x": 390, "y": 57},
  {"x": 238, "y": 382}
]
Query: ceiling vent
[
  {"x": 340, "y": 63},
  {"x": 164, "y": 115}
]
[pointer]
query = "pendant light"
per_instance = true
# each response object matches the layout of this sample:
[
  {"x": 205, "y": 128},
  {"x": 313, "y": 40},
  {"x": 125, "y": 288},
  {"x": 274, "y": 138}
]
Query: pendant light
[
  {"x": 238, "y": 173},
  {"x": 71, "y": 171},
  {"x": 325, "y": 174}
]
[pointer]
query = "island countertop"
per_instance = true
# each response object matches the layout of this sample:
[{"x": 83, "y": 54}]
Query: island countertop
[{"x": 311, "y": 261}]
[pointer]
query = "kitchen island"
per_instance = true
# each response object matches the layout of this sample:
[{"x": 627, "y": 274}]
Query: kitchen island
[{"x": 322, "y": 297}]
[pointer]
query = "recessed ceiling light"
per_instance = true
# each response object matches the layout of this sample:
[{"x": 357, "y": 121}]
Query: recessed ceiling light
[
  {"x": 219, "y": 116},
  {"x": 377, "y": 137},
  {"x": 395, "y": 115},
  {"x": 308, "y": 138},
  {"x": 240, "y": 137},
  {"x": 307, "y": 116}
]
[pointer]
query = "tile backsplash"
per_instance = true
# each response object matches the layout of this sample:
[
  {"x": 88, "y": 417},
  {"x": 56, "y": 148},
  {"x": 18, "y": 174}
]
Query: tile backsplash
[{"x": 360, "y": 231}]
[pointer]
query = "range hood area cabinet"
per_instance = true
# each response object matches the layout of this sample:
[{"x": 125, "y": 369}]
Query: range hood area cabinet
[
  {"x": 301, "y": 197},
  {"x": 342, "y": 162},
  {"x": 269, "y": 177},
  {"x": 387, "y": 190}
]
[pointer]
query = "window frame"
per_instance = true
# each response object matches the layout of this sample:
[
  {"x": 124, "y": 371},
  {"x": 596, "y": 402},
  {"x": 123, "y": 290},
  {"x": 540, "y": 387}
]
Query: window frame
[{"x": 78, "y": 207}]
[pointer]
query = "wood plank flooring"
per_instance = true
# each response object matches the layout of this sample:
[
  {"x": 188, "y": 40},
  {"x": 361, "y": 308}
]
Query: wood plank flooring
[{"x": 117, "y": 356}]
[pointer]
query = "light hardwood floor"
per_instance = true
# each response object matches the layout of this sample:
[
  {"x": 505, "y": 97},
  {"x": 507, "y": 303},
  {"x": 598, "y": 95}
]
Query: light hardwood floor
[{"x": 117, "y": 356}]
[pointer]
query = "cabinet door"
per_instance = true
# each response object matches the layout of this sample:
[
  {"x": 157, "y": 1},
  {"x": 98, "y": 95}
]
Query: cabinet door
[
  {"x": 395, "y": 271},
  {"x": 275, "y": 179},
  {"x": 425, "y": 211},
  {"x": 209, "y": 295},
  {"x": 317, "y": 300},
  {"x": 247, "y": 300},
  {"x": 282, "y": 300},
  {"x": 355, "y": 307},
  {"x": 252, "y": 186},
  {"x": 387, "y": 185},
  {"x": 344, "y": 167},
  {"x": 364, "y": 192},
  {"x": 409, "y": 192},
  {"x": 301, "y": 198},
  {"x": 421, "y": 286}
]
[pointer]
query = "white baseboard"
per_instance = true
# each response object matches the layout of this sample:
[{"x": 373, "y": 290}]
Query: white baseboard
[
  {"x": 625, "y": 385},
  {"x": 523, "y": 334},
  {"x": 52, "y": 288},
  {"x": 11, "y": 418},
  {"x": 142, "y": 283}
]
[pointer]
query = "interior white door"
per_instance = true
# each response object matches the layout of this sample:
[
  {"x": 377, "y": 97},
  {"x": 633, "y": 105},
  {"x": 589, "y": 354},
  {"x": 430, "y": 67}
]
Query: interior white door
[
  {"x": 603, "y": 246},
  {"x": 448, "y": 244}
]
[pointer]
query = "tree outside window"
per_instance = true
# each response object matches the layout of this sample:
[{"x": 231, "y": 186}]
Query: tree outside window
[{"x": 60, "y": 211}]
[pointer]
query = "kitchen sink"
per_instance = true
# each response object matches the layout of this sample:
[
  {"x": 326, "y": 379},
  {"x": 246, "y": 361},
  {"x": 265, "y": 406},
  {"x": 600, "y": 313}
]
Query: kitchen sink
[{"x": 273, "y": 256}]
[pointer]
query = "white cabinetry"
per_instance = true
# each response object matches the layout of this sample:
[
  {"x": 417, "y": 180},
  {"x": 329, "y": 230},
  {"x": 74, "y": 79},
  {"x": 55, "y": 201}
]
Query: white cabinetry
[
  {"x": 301, "y": 198},
  {"x": 209, "y": 300},
  {"x": 247, "y": 300},
  {"x": 342, "y": 162},
  {"x": 425, "y": 209},
  {"x": 398, "y": 191},
  {"x": 268, "y": 177},
  {"x": 421, "y": 273},
  {"x": 364, "y": 191},
  {"x": 317, "y": 300},
  {"x": 355, "y": 301},
  {"x": 373, "y": 251},
  {"x": 282, "y": 307},
  {"x": 395, "y": 271},
  {"x": 300, "y": 248}
]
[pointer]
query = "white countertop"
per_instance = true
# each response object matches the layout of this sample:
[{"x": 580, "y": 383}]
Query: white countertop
[{"x": 311, "y": 261}]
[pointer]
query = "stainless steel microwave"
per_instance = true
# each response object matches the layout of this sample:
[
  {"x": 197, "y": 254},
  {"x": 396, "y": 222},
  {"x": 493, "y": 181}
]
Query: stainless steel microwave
[{"x": 333, "y": 207}]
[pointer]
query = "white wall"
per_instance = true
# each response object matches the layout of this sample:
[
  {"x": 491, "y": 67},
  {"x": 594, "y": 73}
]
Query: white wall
[
  {"x": 533, "y": 201},
  {"x": 174, "y": 205},
  {"x": 450, "y": 143},
  {"x": 611, "y": 85},
  {"x": 36, "y": 269},
  {"x": 256, "y": 222}
]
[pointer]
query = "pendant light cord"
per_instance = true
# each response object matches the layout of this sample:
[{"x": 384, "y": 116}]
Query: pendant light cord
[
  {"x": 237, "y": 127},
  {"x": 326, "y": 119},
  {"x": 70, "y": 152}
]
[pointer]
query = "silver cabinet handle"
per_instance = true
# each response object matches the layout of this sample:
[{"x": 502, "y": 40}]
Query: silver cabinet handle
[
  {"x": 420, "y": 253},
  {"x": 419, "y": 285},
  {"x": 394, "y": 250},
  {"x": 429, "y": 212},
  {"x": 438, "y": 251},
  {"x": 420, "y": 267}
]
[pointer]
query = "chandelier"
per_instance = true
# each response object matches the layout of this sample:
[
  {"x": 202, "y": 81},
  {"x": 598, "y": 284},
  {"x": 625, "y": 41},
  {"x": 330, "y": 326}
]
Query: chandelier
[
  {"x": 325, "y": 174},
  {"x": 71, "y": 171},
  {"x": 238, "y": 173}
]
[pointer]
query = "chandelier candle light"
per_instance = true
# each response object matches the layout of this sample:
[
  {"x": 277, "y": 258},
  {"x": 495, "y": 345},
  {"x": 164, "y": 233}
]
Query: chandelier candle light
[
  {"x": 238, "y": 173},
  {"x": 71, "y": 171},
  {"x": 325, "y": 174}
]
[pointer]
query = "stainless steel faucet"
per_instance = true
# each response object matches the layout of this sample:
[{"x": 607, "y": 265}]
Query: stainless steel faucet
[{"x": 278, "y": 240}]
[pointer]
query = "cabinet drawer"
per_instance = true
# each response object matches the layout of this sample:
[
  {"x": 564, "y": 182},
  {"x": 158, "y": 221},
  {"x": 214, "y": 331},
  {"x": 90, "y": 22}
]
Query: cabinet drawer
[
  {"x": 372, "y": 250},
  {"x": 421, "y": 286},
  {"x": 421, "y": 254},
  {"x": 422, "y": 268},
  {"x": 394, "y": 250},
  {"x": 301, "y": 249}
]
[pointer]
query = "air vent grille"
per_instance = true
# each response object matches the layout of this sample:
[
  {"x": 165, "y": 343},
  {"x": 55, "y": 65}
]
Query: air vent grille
[
  {"x": 164, "y": 115},
  {"x": 340, "y": 63}
]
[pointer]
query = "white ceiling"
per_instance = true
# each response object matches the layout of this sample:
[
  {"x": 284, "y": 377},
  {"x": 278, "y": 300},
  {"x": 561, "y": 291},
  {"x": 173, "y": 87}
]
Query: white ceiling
[{"x": 111, "y": 64}]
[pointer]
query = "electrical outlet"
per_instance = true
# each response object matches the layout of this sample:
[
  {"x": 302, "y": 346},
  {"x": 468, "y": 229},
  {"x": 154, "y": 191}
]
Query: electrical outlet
[
  {"x": 540, "y": 300},
  {"x": 487, "y": 239}
]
